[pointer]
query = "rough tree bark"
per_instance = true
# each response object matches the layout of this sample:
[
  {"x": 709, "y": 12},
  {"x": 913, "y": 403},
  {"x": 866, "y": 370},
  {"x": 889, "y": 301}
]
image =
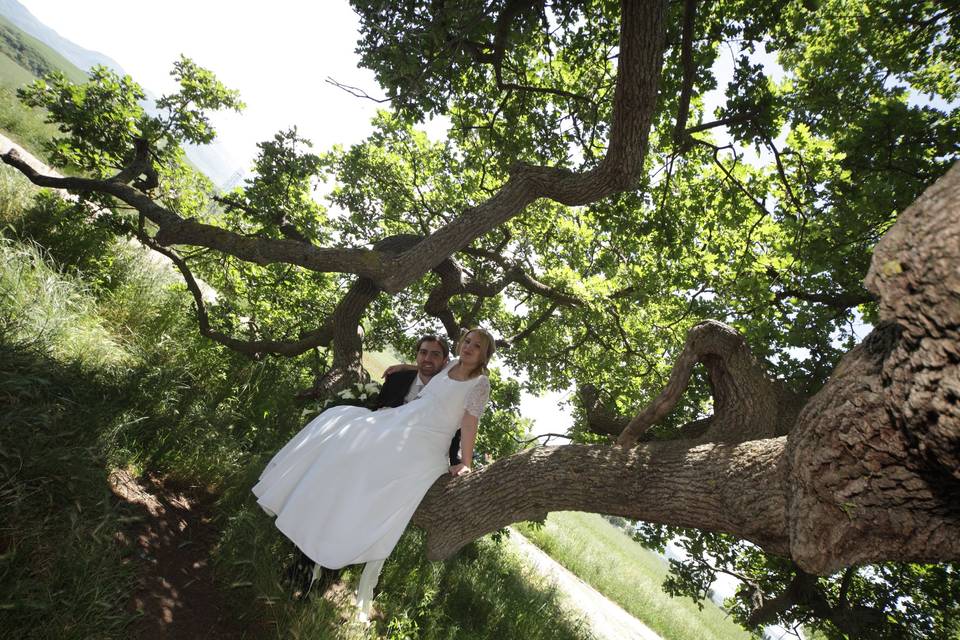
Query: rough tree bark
[{"x": 868, "y": 473}]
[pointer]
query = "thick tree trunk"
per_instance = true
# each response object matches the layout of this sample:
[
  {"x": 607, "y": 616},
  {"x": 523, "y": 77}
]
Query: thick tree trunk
[
  {"x": 869, "y": 472},
  {"x": 875, "y": 460}
]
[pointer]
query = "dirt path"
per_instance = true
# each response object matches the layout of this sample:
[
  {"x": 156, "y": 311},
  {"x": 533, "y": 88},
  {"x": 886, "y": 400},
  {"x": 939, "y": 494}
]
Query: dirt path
[
  {"x": 176, "y": 595},
  {"x": 605, "y": 618},
  {"x": 6, "y": 144}
]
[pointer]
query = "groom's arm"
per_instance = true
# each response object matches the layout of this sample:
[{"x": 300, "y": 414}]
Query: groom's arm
[{"x": 394, "y": 389}]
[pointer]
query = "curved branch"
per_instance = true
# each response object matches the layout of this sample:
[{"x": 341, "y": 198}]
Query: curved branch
[
  {"x": 641, "y": 51},
  {"x": 252, "y": 348},
  {"x": 747, "y": 404},
  {"x": 641, "y": 57}
]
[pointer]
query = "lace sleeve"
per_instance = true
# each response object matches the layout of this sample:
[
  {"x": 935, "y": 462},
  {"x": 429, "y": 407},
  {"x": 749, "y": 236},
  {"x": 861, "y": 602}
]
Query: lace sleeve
[{"x": 478, "y": 396}]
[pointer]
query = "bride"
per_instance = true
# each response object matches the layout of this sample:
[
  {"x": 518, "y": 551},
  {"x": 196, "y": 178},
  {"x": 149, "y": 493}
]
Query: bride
[{"x": 345, "y": 487}]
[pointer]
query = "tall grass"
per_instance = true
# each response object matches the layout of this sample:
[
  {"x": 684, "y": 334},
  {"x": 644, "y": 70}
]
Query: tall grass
[
  {"x": 618, "y": 567},
  {"x": 54, "y": 309},
  {"x": 62, "y": 573},
  {"x": 100, "y": 367}
]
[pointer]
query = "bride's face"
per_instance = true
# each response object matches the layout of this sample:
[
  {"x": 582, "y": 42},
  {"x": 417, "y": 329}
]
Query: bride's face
[{"x": 473, "y": 348}]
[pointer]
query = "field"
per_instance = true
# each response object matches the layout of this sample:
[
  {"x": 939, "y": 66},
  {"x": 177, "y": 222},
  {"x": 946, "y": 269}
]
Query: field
[{"x": 616, "y": 566}]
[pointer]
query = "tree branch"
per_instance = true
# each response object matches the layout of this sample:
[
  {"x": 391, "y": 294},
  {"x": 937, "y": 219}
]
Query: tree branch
[
  {"x": 139, "y": 166},
  {"x": 528, "y": 330},
  {"x": 172, "y": 229},
  {"x": 252, "y": 348},
  {"x": 841, "y": 301},
  {"x": 641, "y": 48},
  {"x": 661, "y": 482},
  {"x": 680, "y": 132},
  {"x": 355, "y": 91}
]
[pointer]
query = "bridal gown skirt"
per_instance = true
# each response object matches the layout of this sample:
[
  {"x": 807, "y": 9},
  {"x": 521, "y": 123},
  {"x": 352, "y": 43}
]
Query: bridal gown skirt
[{"x": 345, "y": 487}]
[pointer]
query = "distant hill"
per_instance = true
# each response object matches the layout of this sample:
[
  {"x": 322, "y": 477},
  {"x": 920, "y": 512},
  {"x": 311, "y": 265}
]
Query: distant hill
[
  {"x": 29, "y": 49},
  {"x": 33, "y": 57},
  {"x": 77, "y": 55}
]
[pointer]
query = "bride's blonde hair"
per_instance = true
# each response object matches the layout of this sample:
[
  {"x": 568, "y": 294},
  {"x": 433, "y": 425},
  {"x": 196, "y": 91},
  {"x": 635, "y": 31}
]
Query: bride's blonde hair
[{"x": 491, "y": 347}]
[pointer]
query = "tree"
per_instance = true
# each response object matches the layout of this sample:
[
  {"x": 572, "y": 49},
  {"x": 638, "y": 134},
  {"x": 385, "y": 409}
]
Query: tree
[{"x": 586, "y": 206}]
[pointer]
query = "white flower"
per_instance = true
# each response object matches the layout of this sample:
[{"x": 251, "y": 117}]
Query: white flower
[
  {"x": 363, "y": 396},
  {"x": 371, "y": 387},
  {"x": 346, "y": 394}
]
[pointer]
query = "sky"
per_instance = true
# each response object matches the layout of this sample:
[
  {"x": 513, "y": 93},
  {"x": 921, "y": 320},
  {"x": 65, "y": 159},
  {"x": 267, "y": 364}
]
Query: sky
[{"x": 277, "y": 54}]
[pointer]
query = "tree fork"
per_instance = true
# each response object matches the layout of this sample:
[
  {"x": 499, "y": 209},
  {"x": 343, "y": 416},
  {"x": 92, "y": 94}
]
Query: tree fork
[{"x": 747, "y": 403}]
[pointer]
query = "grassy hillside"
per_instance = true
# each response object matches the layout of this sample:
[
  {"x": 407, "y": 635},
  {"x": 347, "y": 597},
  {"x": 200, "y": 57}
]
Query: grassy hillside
[
  {"x": 22, "y": 60},
  {"x": 31, "y": 55},
  {"x": 616, "y": 566}
]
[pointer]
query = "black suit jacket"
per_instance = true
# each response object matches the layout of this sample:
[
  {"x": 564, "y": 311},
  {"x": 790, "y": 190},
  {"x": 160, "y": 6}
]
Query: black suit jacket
[{"x": 392, "y": 393}]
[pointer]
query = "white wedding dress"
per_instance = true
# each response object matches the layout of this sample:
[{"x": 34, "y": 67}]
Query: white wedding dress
[{"x": 345, "y": 487}]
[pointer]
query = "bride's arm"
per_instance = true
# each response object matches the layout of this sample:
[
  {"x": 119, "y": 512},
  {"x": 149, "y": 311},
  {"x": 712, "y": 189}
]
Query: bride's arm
[
  {"x": 395, "y": 368},
  {"x": 468, "y": 437},
  {"x": 473, "y": 408}
]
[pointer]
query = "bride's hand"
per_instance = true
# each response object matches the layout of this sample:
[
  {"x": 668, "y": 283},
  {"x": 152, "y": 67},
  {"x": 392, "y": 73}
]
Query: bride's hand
[{"x": 459, "y": 470}]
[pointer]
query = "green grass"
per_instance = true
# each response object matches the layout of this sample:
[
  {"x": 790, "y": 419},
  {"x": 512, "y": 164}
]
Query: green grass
[
  {"x": 13, "y": 75},
  {"x": 618, "y": 567},
  {"x": 33, "y": 55},
  {"x": 23, "y": 125},
  {"x": 100, "y": 367},
  {"x": 62, "y": 574}
]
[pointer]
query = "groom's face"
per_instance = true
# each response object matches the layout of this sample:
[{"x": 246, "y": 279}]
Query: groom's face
[{"x": 430, "y": 358}]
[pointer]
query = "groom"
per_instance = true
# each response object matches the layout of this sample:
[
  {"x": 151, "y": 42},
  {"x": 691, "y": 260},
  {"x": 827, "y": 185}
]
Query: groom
[{"x": 403, "y": 386}]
